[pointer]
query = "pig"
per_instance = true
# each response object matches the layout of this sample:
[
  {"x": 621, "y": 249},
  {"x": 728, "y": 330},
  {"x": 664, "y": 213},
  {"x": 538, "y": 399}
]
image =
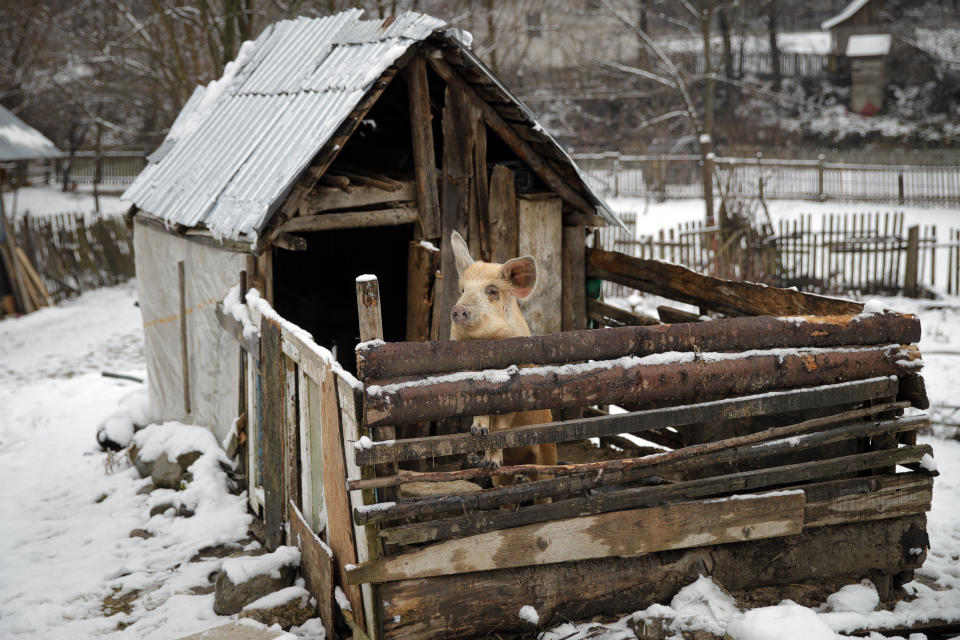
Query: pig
[{"x": 487, "y": 309}]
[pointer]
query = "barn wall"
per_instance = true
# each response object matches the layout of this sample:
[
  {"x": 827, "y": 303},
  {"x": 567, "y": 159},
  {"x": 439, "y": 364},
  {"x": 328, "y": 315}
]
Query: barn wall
[{"x": 212, "y": 352}]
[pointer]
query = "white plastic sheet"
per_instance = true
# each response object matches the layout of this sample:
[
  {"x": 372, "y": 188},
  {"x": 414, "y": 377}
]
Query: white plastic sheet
[{"x": 212, "y": 353}]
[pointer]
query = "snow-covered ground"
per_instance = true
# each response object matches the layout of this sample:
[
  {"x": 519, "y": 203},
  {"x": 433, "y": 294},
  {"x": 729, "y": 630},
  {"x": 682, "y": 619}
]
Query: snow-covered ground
[
  {"x": 68, "y": 559},
  {"x": 44, "y": 200}
]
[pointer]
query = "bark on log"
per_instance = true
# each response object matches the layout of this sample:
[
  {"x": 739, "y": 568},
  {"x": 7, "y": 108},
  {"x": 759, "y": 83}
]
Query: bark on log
[
  {"x": 449, "y": 606},
  {"x": 725, "y": 296},
  {"x": 634, "y": 381},
  {"x": 395, "y": 359},
  {"x": 776, "y": 402}
]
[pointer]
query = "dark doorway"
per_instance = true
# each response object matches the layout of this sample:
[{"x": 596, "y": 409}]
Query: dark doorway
[{"x": 316, "y": 289}]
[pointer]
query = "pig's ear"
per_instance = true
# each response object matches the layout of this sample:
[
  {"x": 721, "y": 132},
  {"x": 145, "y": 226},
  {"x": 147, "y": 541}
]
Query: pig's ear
[
  {"x": 522, "y": 274},
  {"x": 460, "y": 253}
]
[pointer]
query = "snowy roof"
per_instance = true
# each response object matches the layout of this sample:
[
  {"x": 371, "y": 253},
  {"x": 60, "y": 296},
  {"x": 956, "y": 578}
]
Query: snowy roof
[
  {"x": 20, "y": 141},
  {"x": 848, "y": 12},
  {"x": 238, "y": 146},
  {"x": 872, "y": 44}
]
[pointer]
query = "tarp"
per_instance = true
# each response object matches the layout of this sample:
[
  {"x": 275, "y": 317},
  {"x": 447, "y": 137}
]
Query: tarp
[{"x": 212, "y": 353}]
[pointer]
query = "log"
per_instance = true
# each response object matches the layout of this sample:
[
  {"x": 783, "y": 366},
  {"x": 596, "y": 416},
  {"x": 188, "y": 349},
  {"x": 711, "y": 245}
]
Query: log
[
  {"x": 724, "y": 296},
  {"x": 405, "y": 213},
  {"x": 638, "y": 421},
  {"x": 624, "y": 533},
  {"x": 686, "y": 453},
  {"x": 603, "y": 313},
  {"x": 673, "y": 379},
  {"x": 673, "y": 315},
  {"x": 377, "y": 182},
  {"x": 732, "y": 334},
  {"x": 424, "y": 159},
  {"x": 502, "y": 213},
  {"x": 324, "y": 199},
  {"x": 449, "y": 606},
  {"x": 513, "y": 140},
  {"x": 566, "y": 486}
]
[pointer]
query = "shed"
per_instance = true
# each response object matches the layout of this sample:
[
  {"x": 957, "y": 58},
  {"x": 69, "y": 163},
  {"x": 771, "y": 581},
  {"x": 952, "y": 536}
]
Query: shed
[
  {"x": 860, "y": 16},
  {"x": 325, "y": 168},
  {"x": 868, "y": 82}
]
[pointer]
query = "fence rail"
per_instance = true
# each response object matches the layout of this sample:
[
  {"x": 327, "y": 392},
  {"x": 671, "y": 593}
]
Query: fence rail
[
  {"x": 865, "y": 253},
  {"x": 679, "y": 176}
]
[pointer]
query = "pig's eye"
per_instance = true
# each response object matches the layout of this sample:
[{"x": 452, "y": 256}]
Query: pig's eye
[{"x": 492, "y": 292}]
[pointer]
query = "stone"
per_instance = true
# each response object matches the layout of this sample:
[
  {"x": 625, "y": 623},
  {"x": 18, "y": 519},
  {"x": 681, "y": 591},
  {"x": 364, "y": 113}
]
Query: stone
[
  {"x": 161, "y": 508},
  {"x": 185, "y": 460},
  {"x": 230, "y": 598},
  {"x": 143, "y": 467},
  {"x": 236, "y": 631},
  {"x": 141, "y": 533},
  {"x": 288, "y": 607},
  {"x": 166, "y": 474},
  {"x": 146, "y": 489}
]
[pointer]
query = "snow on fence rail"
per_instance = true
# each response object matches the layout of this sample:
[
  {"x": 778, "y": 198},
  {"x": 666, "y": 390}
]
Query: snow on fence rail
[
  {"x": 74, "y": 252},
  {"x": 678, "y": 176}
]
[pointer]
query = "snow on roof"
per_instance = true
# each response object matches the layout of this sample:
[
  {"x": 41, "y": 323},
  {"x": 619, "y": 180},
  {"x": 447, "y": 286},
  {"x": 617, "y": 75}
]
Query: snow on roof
[
  {"x": 20, "y": 141},
  {"x": 848, "y": 12},
  {"x": 873, "y": 44},
  {"x": 240, "y": 143}
]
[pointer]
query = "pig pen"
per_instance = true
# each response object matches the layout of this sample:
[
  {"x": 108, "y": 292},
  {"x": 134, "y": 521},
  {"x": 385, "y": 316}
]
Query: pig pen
[{"x": 780, "y": 450}]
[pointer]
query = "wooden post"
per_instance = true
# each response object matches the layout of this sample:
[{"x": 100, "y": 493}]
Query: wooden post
[
  {"x": 368, "y": 308},
  {"x": 900, "y": 187},
  {"x": 541, "y": 232},
  {"x": 573, "y": 304},
  {"x": 184, "y": 361},
  {"x": 820, "y": 162},
  {"x": 706, "y": 148},
  {"x": 502, "y": 215},
  {"x": 422, "y": 262},
  {"x": 425, "y": 164},
  {"x": 910, "y": 288}
]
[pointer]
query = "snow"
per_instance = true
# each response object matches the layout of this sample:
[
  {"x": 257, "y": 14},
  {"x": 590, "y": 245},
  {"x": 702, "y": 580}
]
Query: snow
[
  {"x": 529, "y": 614},
  {"x": 855, "y": 598},
  {"x": 133, "y": 411},
  {"x": 363, "y": 443},
  {"x": 48, "y": 200},
  {"x": 342, "y": 601},
  {"x": 244, "y": 569},
  {"x": 429, "y": 246},
  {"x": 786, "y": 621},
  {"x": 703, "y": 606},
  {"x": 872, "y": 307},
  {"x": 928, "y": 463},
  {"x": 847, "y": 12},
  {"x": 280, "y": 598},
  {"x": 872, "y": 44}
]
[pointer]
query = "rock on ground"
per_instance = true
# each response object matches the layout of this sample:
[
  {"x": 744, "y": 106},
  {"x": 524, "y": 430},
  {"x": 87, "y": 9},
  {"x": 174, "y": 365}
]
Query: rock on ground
[{"x": 288, "y": 607}]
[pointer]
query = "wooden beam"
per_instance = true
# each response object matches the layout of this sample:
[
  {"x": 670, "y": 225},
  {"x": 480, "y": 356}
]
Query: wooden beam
[
  {"x": 627, "y": 382},
  {"x": 672, "y": 315},
  {"x": 592, "y": 427},
  {"x": 326, "y": 199},
  {"x": 424, "y": 158},
  {"x": 516, "y": 142},
  {"x": 603, "y": 313},
  {"x": 290, "y": 242},
  {"x": 725, "y": 296},
  {"x": 351, "y": 220},
  {"x": 624, "y": 533},
  {"x": 399, "y": 359}
]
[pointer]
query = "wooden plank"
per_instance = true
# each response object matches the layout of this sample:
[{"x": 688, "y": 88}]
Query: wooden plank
[
  {"x": 420, "y": 609},
  {"x": 623, "y": 533},
  {"x": 393, "y": 360},
  {"x": 339, "y": 525},
  {"x": 502, "y": 213},
  {"x": 273, "y": 382},
  {"x": 184, "y": 358},
  {"x": 424, "y": 159},
  {"x": 573, "y": 304},
  {"x": 634, "y": 470},
  {"x": 291, "y": 437},
  {"x": 541, "y": 236},
  {"x": 250, "y": 343},
  {"x": 604, "y": 313},
  {"x": 406, "y": 214},
  {"x": 627, "y": 383},
  {"x": 592, "y": 427},
  {"x": 311, "y": 424},
  {"x": 863, "y": 499},
  {"x": 316, "y": 565},
  {"x": 325, "y": 199},
  {"x": 422, "y": 262},
  {"x": 725, "y": 296}
]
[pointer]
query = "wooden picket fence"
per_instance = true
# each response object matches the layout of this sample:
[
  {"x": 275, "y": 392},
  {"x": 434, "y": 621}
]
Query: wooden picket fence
[
  {"x": 865, "y": 253},
  {"x": 74, "y": 252}
]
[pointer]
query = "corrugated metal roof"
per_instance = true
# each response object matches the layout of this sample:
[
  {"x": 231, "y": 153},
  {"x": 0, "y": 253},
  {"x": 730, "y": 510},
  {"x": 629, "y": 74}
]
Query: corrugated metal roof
[
  {"x": 20, "y": 141},
  {"x": 240, "y": 143}
]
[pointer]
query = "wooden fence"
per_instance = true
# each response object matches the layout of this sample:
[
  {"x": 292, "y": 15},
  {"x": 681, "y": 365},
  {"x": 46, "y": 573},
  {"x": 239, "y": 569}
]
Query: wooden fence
[
  {"x": 679, "y": 176},
  {"x": 73, "y": 252},
  {"x": 865, "y": 253}
]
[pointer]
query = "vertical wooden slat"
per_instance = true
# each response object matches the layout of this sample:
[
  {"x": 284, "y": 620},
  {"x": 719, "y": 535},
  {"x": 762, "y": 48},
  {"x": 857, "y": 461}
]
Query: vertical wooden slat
[
  {"x": 273, "y": 375},
  {"x": 422, "y": 262},
  {"x": 541, "y": 236},
  {"x": 573, "y": 276},
  {"x": 424, "y": 159},
  {"x": 502, "y": 214},
  {"x": 184, "y": 359},
  {"x": 254, "y": 428},
  {"x": 311, "y": 451},
  {"x": 291, "y": 439}
]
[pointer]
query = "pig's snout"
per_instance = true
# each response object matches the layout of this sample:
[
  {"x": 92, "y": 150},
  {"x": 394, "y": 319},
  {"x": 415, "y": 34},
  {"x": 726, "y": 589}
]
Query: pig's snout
[{"x": 460, "y": 314}]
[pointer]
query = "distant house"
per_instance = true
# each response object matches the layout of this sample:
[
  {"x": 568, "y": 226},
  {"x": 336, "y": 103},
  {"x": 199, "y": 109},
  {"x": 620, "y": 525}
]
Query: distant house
[{"x": 20, "y": 142}]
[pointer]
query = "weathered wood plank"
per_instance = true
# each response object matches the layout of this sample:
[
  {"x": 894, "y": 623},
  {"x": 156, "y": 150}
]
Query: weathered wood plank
[
  {"x": 573, "y": 305},
  {"x": 726, "y": 296},
  {"x": 631, "y": 382},
  {"x": 624, "y": 533},
  {"x": 250, "y": 344},
  {"x": 424, "y": 159},
  {"x": 291, "y": 437},
  {"x": 596, "y": 426},
  {"x": 562, "y": 487},
  {"x": 502, "y": 213},
  {"x": 541, "y": 235},
  {"x": 273, "y": 380},
  {"x": 449, "y": 606},
  {"x": 406, "y": 214},
  {"x": 316, "y": 564},
  {"x": 731, "y": 334},
  {"x": 324, "y": 199},
  {"x": 422, "y": 262}
]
